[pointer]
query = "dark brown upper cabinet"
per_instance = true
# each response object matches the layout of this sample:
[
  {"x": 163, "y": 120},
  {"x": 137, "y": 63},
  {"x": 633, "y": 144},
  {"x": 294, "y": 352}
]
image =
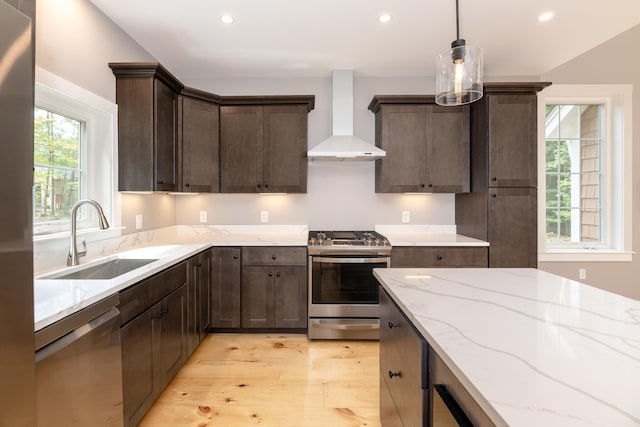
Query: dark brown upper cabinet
[
  {"x": 263, "y": 144},
  {"x": 427, "y": 145},
  {"x": 147, "y": 98},
  {"x": 504, "y": 129},
  {"x": 199, "y": 141}
]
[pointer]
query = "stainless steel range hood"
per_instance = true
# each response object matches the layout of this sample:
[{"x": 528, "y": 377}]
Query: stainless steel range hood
[{"x": 343, "y": 145}]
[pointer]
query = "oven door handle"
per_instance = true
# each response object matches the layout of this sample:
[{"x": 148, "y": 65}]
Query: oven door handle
[{"x": 328, "y": 260}]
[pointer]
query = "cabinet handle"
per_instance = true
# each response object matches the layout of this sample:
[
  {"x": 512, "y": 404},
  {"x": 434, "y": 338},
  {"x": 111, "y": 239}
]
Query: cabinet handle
[
  {"x": 187, "y": 185},
  {"x": 270, "y": 274},
  {"x": 198, "y": 265},
  {"x": 422, "y": 185},
  {"x": 159, "y": 316},
  {"x": 160, "y": 182},
  {"x": 494, "y": 195},
  {"x": 393, "y": 374},
  {"x": 430, "y": 185},
  {"x": 278, "y": 274},
  {"x": 273, "y": 256},
  {"x": 259, "y": 186},
  {"x": 392, "y": 325},
  {"x": 494, "y": 178},
  {"x": 439, "y": 257},
  {"x": 164, "y": 311},
  {"x": 266, "y": 186},
  {"x": 235, "y": 257}
]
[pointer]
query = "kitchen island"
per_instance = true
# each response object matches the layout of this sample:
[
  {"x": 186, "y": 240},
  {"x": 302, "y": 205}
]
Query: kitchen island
[{"x": 527, "y": 347}]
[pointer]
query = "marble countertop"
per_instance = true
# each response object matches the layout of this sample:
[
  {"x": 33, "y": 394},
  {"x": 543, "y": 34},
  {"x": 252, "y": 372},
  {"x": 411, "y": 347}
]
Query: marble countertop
[
  {"x": 55, "y": 299},
  {"x": 532, "y": 348},
  {"x": 426, "y": 235}
]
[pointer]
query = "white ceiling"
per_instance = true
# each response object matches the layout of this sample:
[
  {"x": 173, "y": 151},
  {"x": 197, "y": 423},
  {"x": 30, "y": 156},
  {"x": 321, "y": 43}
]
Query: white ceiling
[{"x": 304, "y": 38}]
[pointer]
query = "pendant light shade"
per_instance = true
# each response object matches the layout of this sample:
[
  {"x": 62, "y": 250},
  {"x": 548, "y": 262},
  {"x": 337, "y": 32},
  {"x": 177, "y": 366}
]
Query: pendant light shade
[{"x": 459, "y": 72}]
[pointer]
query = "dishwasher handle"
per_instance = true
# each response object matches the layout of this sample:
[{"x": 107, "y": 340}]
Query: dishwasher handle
[{"x": 76, "y": 334}]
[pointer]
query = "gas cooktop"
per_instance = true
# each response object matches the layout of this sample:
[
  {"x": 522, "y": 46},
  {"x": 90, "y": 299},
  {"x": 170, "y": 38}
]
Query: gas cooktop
[{"x": 344, "y": 241}]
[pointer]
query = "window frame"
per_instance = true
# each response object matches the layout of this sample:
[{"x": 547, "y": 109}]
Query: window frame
[
  {"x": 99, "y": 151},
  {"x": 616, "y": 174}
]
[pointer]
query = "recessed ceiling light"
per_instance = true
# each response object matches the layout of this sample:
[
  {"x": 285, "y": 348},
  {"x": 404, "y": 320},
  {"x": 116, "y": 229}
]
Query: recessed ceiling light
[
  {"x": 384, "y": 18},
  {"x": 545, "y": 17},
  {"x": 227, "y": 19}
]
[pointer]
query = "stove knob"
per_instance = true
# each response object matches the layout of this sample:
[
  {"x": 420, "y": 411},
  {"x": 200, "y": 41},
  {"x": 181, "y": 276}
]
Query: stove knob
[{"x": 312, "y": 241}]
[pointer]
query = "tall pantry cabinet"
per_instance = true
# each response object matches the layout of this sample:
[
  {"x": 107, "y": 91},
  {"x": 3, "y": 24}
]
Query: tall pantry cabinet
[{"x": 502, "y": 205}]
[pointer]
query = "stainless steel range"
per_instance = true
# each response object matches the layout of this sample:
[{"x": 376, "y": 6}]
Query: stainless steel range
[{"x": 343, "y": 294}]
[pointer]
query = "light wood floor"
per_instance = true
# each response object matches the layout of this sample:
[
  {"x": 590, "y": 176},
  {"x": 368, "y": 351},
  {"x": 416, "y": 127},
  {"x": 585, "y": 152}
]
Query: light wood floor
[{"x": 273, "y": 380}]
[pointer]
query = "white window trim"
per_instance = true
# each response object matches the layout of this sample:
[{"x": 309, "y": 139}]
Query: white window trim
[
  {"x": 101, "y": 171},
  {"x": 617, "y": 168}
]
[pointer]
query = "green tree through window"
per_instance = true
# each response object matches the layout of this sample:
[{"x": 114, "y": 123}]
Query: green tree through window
[{"x": 57, "y": 165}]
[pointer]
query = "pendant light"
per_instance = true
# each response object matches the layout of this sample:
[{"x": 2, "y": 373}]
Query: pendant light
[{"x": 459, "y": 72}]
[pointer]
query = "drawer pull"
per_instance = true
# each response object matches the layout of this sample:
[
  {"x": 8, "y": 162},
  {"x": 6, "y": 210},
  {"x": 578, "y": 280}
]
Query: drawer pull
[
  {"x": 278, "y": 274},
  {"x": 393, "y": 374},
  {"x": 273, "y": 257},
  {"x": 270, "y": 274},
  {"x": 439, "y": 257},
  {"x": 392, "y": 325},
  {"x": 235, "y": 257}
]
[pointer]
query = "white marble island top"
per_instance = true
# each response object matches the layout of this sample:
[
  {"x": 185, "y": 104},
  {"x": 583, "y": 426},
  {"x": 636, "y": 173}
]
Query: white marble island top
[{"x": 532, "y": 348}]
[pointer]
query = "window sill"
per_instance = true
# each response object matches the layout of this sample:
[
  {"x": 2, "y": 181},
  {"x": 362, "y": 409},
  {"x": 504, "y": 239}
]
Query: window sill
[{"x": 586, "y": 256}]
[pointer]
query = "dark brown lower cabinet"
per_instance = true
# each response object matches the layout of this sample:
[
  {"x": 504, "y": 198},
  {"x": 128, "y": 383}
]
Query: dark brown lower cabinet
[
  {"x": 274, "y": 297},
  {"x": 153, "y": 350},
  {"x": 403, "y": 369},
  {"x": 410, "y": 370},
  {"x": 198, "y": 298},
  {"x": 153, "y": 313},
  {"x": 226, "y": 276},
  {"x": 439, "y": 256},
  {"x": 274, "y": 287}
]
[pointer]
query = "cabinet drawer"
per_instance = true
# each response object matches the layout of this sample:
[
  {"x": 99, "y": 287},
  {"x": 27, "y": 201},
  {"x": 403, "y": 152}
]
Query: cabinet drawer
[
  {"x": 403, "y": 363},
  {"x": 440, "y": 256},
  {"x": 137, "y": 298},
  {"x": 274, "y": 256}
]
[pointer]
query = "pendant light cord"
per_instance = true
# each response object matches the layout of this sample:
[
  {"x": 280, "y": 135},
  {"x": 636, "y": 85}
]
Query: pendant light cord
[{"x": 457, "y": 22}]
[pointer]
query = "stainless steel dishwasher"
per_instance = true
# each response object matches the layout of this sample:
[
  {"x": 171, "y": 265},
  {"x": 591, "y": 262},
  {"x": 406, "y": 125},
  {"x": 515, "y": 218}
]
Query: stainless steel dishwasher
[{"x": 79, "y": 369}]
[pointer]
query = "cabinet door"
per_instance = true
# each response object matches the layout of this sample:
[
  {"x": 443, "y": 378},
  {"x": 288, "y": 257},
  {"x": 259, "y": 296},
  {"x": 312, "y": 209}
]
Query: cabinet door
[
  {"x": 192, "y": 303},
  {"x": 165, "y": 146},
  {"x": 512, "y": 227},
  {"x": 285, "y": 149},
  {"x": 241, "y": 149},
  {"x": 257, "y": 297},
  {"x": 512, "y": 140},
  {"x": 170, "y": 329},
  {"x": 204, "y": 294},
  {"x": 290, "y": 297},
  {"x": 401, "y": 132},
  {"x": 199, "y": 122},
  {"x": 225, "y": 287},
  {"x": 448, "y": 147},
  {"x": 138, "y": 364}
]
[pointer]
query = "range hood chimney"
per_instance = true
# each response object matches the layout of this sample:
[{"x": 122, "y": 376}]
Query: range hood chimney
[{"x": 343, "y": 145}]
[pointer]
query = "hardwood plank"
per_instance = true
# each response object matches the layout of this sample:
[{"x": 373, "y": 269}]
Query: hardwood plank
[{"x": 273, "y": 380}]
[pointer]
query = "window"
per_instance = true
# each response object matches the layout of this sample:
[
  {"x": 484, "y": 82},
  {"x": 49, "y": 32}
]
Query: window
[
  {"x": 74, "y": 152},
  {"x": 58, "y": 175},
  {"x": 585, "y": 173}
]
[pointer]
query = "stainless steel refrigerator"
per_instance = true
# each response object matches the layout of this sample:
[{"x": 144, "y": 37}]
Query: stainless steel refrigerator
[{"x": 17, "y": 345}]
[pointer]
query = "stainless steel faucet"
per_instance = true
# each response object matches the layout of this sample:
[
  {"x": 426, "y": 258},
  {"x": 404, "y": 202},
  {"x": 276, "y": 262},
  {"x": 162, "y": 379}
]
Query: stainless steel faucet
[{"x": 72, "y": 258}]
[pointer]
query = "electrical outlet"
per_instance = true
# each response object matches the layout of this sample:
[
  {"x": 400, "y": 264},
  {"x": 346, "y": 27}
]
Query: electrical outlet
[
  {"x": 138, "y": 222},
  {"x": 582, "y": 273},
  {"x": 264, "y": 216},
  {"x": 406, "y": 217},
  {"x": 203, "y": 216}
]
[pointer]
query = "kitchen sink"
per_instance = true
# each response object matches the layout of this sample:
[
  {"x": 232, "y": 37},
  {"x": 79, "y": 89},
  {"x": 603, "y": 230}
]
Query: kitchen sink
[{"x": 105, "y": 270}]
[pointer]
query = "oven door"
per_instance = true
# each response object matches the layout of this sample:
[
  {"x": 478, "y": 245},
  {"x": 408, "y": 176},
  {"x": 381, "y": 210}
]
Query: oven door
[{"x": 344, "y": 286}]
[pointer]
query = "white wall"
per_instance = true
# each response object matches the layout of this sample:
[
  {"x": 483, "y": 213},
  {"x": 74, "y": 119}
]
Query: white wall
[{"x": 611, "y": 62}]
